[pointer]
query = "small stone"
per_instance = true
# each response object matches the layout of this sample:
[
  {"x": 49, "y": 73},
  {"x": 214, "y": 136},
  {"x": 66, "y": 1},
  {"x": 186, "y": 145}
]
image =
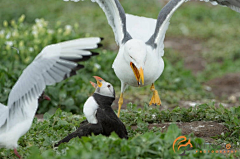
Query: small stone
[{"x": 232, "y": 99}]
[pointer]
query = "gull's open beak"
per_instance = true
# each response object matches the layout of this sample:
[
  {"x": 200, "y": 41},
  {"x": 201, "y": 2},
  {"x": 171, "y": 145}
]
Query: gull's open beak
[
  {"x": 99, "y": 81},
  {"x": 46, "y": 97},
  {"x": 93, "y": 84},
  {"x": 138, "y": 73}
]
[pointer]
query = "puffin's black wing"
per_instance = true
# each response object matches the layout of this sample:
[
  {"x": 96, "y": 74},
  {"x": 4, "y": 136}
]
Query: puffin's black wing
[
  {"x": 111, "y": 123},
  {"x": 85, "y": 129}
]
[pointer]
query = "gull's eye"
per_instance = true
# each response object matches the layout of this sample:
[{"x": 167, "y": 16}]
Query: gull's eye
[{"x": 108, "y": 85}]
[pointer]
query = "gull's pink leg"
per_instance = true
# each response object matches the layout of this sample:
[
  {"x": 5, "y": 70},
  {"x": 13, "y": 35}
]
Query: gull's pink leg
[{"x": 16, "y": 153}]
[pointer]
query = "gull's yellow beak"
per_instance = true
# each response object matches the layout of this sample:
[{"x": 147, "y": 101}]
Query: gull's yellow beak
[
  {"x": 138, "y": 73},
  {"x": 99, "y": 81}
]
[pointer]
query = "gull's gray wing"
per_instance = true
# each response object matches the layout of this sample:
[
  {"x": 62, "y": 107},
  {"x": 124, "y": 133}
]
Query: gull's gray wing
[
  {"x": 54, "y": 64},
  {"x": 233, "y": 4},
  {"x": 156, "y": 40},
  {"x": 116, "y": 18}
]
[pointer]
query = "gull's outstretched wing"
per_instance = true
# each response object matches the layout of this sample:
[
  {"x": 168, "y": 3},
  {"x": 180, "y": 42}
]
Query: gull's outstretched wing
[
  {"x": 55, "y": 63},
  {"x": 3, "y": 114},
  {"x": 156, "y": 40},
  {"x": 116, "y": 18},
  {"x": 140, "y": 27},
  {"x": 233, "y": 4}
]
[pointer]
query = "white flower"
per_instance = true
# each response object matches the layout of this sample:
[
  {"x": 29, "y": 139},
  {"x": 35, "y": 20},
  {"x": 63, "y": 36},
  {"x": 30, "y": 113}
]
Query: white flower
[
  {"x": 37, "y": 20},
  {"x": 31, "y": 49},
  {"x": 2, "y": 32},
  {"x": 15, "y": 33},
  {"x": 50, "y": 31},
  {"x": 9, "y": 43},
  {"x": 34, "y": 32},
  {"x": 97, "y": 66},
  {"x": 8, "y": 35},
  {"x": 68, "y": 27},
  {"x": 154, "y": 116}
]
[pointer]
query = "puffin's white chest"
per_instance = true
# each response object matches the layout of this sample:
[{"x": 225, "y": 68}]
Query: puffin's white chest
[{"x": 90, "y": 109}]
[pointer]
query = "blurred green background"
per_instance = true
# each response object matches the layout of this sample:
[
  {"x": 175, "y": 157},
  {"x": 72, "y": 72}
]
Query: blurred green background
[
  {"x": 202, "y": 51},
  {"x": 202, "y": 61}
]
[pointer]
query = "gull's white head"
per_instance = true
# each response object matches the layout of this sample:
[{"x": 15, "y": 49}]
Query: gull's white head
[
  {"x": 136, "y": 55},
  {"x": 103, "y": 88}
]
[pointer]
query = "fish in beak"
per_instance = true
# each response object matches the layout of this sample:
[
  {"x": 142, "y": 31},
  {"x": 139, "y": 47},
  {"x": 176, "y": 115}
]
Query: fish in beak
[{"x": 138, "y": 73}]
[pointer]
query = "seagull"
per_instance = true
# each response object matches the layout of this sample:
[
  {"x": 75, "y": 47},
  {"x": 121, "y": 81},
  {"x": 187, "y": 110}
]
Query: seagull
[
  {"x": 101, "y": 119},
  {"x": 139, "y": 60},
  {"x": 52, "y": 65}
]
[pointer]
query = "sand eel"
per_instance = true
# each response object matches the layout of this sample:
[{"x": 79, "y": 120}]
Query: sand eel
[
  {"x": 52, "y": 65},
  {"x": 139, "y": 60},
  {"x": 101, "y": 119}
]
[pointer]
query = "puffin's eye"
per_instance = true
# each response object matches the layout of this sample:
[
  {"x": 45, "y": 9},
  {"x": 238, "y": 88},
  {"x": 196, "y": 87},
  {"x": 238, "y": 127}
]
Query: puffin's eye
[{"x": 108, "y": 86}]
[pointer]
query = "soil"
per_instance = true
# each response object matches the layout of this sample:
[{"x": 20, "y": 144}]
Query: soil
[
  {"x": 190, "y": 50},
  {"x": 227, "y": 85},
  {"x": 203, "y": 129}
]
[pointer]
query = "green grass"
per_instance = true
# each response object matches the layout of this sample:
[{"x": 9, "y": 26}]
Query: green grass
[
  {"x": 216, "y": 28},
  {"x": 142, "y": 143}
]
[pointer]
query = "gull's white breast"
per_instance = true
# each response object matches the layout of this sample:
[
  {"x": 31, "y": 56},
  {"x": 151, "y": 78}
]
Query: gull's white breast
[{"x": 153, "y": 68}]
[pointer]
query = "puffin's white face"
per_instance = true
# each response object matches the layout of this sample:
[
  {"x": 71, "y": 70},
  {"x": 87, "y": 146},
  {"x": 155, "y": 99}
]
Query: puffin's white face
[
  {"x": 103, "y": 88},
  {"x": 136, "y": 55}
]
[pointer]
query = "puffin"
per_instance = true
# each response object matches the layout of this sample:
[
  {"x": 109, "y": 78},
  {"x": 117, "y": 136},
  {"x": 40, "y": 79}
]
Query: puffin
[
  {"x": 139, "y": 60},
  {"x": 53, "y": 64},
  {"x": 100, "y": 117}
]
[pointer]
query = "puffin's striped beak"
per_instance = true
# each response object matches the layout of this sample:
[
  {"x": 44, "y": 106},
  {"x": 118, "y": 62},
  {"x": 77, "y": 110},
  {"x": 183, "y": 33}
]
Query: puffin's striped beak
[
  {"x": 138, "y": 73},
  {"x": 99, "y": 81},
  {"x": 93, "y": 84}
]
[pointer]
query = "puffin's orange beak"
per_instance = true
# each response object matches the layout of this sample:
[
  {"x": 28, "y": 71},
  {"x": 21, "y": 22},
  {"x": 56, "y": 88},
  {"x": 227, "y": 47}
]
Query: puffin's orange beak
[
  {"x": 138, "y": 73},
  {"x": 99, "y": 81},
  {"x": 93, "y": 84}
]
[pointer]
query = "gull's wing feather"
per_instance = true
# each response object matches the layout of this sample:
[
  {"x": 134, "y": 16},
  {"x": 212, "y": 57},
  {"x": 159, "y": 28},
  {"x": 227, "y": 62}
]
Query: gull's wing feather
[
  {"x": 3, "y": 114},
  {"x": 116, "y": 18},
  {"x": 140, "y": 27},
  {"x": 233, "y": 4},
  {"x": 156, "y": 40},
  {"x": 54, "y": 64}
]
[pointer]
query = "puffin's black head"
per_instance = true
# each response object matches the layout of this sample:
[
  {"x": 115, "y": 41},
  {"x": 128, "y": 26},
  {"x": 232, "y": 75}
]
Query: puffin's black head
[
  {"x": 103, "y": 88},
  {"x": 43, "y": 97}
]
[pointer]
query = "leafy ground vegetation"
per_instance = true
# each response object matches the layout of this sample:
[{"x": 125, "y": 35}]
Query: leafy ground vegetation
[{"x": 199, "y": 88}]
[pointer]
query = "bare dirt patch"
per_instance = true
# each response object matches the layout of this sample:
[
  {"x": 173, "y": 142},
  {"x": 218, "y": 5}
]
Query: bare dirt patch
[
  {"x": 190, "y": 50},
  {"x": 203, "y": 129},
  {"x": 226, "y": 86}
]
